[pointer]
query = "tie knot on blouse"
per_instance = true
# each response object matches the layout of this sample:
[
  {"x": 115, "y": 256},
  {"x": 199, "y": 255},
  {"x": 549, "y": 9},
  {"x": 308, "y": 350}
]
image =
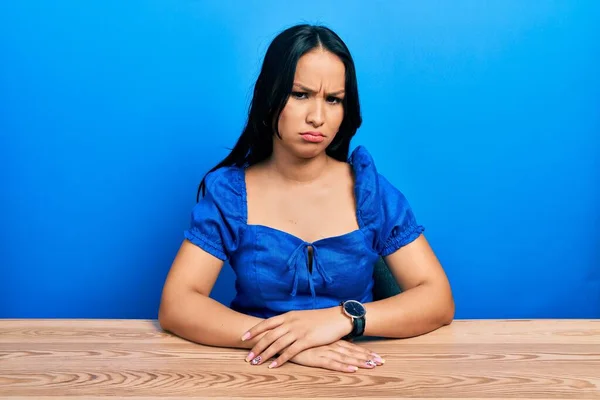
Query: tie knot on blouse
[{"x": 299, "y": 261}]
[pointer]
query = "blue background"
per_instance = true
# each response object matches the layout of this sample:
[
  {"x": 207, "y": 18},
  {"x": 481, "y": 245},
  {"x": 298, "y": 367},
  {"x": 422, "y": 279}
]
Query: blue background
[{"x": 485, "y": 114}]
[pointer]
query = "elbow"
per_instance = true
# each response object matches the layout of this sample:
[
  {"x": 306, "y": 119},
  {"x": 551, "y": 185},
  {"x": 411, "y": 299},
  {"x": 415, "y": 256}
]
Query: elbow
[
  {"x": 447, "y": 312},
  {"x": 165, "y": 317},
  {"x": 446, "y": 307},
  {"x": 442, "y": 308}
]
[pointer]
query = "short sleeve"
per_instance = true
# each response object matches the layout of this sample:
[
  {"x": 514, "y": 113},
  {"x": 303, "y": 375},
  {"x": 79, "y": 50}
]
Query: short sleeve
[
  {"x": 216, "y": 221},
  {"x": 383, "y": 211},
  {"x": 398, "y": 225}
]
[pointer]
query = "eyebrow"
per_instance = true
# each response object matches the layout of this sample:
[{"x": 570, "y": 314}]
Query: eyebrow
[{"x": 313, "y": 91}]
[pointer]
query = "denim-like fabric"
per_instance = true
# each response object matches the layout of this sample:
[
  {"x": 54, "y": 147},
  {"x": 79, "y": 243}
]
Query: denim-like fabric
[{"x": 271, "y": 266}]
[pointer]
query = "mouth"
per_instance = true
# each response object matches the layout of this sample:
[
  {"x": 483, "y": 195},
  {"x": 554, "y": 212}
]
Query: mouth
[{"x": 313, "y": 137}]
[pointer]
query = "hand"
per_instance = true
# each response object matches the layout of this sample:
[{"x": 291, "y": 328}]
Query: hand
[
  {"x": 339, "y": 356},
  {"x": 296, "y": 331}
]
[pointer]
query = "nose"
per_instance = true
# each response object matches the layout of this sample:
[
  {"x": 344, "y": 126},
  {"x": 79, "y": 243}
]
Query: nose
[{"x": 316, "y": 113}]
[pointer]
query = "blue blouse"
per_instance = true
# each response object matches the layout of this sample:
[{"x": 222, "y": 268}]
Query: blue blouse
[{"x": 271, "y": 266}]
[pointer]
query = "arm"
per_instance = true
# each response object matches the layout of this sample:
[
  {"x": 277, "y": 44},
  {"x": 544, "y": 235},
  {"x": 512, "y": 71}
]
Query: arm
[
  {"x": 187, "y": 310},
  {"x": 425, "y": 305},
  {"x": 426, "y": 302}
]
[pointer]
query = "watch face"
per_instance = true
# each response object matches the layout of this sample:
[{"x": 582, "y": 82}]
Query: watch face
[{"x": 354, "y": 308}]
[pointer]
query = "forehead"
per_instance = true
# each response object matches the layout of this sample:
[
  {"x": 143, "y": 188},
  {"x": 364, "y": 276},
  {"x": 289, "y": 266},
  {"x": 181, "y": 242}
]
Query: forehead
[{"x": 320, "y": 68}]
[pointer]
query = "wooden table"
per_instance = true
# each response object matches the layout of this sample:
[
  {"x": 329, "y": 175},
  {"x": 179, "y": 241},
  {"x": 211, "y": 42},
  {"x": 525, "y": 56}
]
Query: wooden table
[{"x": 486, "y": 359}]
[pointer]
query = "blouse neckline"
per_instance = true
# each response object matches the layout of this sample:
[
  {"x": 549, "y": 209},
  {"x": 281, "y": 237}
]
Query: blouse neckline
[{"x": 358, "y": 152}]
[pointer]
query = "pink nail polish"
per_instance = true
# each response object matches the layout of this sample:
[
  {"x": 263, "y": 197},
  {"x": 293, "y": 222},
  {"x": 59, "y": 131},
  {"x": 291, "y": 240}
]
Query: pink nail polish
[
  {"x": 256, "y": 361},
  {"x": 352, "y": 368},
  {"x": 273, "y": 364},
  {"x": 245, "y": 336},
  {"x": 250, "y": 356}
]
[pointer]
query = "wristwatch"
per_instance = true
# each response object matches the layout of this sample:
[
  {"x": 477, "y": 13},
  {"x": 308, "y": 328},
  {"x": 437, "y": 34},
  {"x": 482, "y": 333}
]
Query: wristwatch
[{"x": 356, "y": 311}]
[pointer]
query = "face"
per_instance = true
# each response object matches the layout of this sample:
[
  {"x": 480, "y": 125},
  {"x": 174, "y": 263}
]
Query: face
[{"x": 314, "y": 112}]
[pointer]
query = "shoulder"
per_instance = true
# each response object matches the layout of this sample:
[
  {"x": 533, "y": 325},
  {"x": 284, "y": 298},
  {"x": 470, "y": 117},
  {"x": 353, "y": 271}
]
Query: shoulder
[
  {"x": 225, "y": 180},
  {"x": 224, "y": 190},
  {"x": 367, "y": 176},
  {"x": 256, "y": 177},
  {"x": 217, "y": 221},
  {"x": 371, "y": 187},
  {"x": 382, "y": 206}
]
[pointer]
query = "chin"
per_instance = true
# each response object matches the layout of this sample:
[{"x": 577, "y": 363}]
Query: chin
[
  {"x": 308, "y": 151},
  {"x": 301, "y": 149}
]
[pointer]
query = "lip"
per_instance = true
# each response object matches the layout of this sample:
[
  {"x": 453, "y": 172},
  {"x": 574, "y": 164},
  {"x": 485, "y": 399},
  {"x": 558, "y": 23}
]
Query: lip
[
  {"x": 312, "y": 133},
  {"x": 313, "y": 137}
]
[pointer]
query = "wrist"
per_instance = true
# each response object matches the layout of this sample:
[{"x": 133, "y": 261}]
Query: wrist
[
  {"x": 356, "y": 311},
  {"x": 343, "y": 322}
]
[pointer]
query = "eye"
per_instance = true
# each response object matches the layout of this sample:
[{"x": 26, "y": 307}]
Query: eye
[
  {"x": 334, "y": 100},
  {"x": 299, "y": 95}
]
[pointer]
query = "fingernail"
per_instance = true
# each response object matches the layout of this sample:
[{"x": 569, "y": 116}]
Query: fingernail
[
  {"x": 256, "y": 360},
  {"x": 352, "y": 368},
  {"x": 273, "y": 364},
  {"x": 250, "y": 356},
  {"x": 245, "y": 336},
  {"x": 371, "y": 363},
  {"x": 379, "y": 360}
]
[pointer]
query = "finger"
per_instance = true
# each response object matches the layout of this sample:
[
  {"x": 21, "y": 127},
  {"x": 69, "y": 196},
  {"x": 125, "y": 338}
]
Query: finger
[
  {"x": 356, "y": 352},
  {"x": 329, "y": 363},
  {"x": 276, "y": 347},
  {"x": 352, "y": 346},
  {"x": 342, "y": 344},
  {"x": 263, "y": 326},
  {"x": 354, "y": 359},
  {"x": 266, "y": 341},
  {"x": 361, "y": 353},
  {"x": 289, "y": 353}
]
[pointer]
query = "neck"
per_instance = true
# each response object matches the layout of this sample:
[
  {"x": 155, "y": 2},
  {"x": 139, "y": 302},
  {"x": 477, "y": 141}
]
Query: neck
[{"x": 298, "y": 170}]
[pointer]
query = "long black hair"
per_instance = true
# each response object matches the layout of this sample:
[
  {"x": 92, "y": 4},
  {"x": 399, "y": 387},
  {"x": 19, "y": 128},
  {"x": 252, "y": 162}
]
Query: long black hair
[{"x": 273, "y": 88}]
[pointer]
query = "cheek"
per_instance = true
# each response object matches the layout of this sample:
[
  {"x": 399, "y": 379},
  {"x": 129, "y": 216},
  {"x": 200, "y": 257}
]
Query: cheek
[
  {"x": 336, "y": 116},
  {"x": 288, "y": 119},
  {"x": 339, "y": 115}
]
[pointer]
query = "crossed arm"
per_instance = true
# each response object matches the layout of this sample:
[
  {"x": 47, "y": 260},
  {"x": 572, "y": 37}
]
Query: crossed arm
[{"x": 425, "y": 304}]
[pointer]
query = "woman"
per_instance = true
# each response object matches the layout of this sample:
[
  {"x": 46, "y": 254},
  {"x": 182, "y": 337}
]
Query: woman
[{"x": 303, "y": 223}]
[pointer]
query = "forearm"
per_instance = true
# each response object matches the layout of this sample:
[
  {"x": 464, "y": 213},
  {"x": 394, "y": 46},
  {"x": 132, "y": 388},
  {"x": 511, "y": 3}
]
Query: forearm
[
  {"x": 200, "y": 319},
  {"x": 419, "y": 310}
]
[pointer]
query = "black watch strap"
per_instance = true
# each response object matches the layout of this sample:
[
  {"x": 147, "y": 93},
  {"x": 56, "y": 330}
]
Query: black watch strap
[{"x": 358, "y": 328}]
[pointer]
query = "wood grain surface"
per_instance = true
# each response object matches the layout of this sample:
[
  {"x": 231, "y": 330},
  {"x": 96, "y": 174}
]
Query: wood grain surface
[{"x": 135, "y": 359}]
